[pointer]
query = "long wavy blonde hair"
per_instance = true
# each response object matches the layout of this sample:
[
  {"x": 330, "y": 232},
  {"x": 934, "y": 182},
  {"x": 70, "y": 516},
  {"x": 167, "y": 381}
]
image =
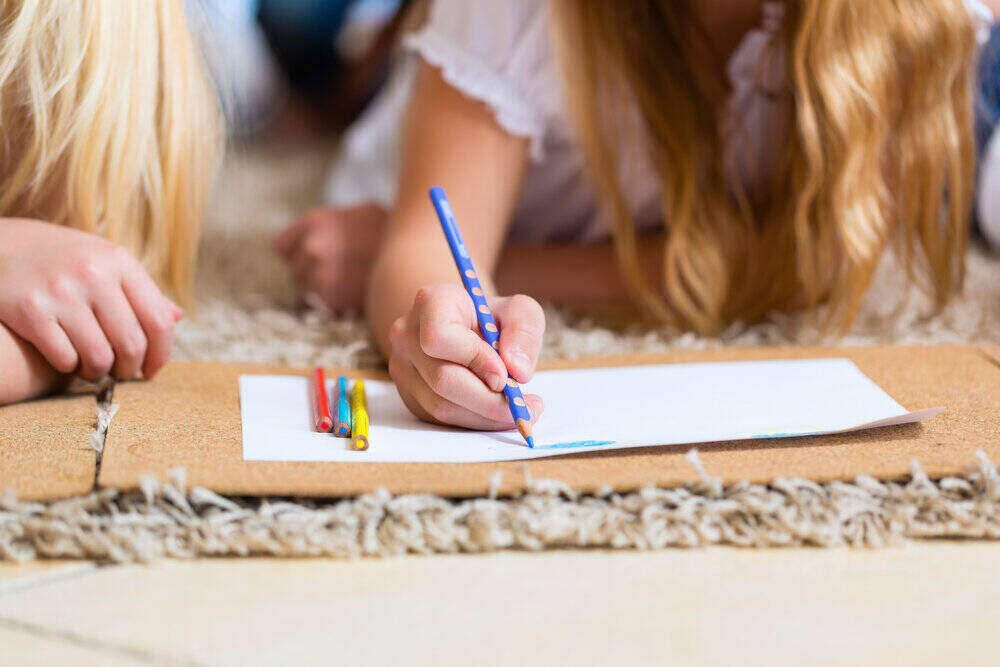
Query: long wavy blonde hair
[
  {"x": 879, "y": 152},
  {"x": 108, "y": 124}
]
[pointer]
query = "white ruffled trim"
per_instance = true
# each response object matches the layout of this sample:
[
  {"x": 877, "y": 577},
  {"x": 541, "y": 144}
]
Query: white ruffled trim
[
  {"x": 476, "y": 79},
  {"x": 981, "y": 11}
]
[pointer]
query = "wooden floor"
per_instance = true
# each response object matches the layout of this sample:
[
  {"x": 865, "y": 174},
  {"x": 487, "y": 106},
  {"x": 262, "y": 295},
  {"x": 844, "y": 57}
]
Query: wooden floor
[{"x": 920, "y": 604}]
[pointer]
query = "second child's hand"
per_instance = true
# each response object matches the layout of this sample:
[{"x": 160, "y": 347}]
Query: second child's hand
[{"x": 87, "y": 305}]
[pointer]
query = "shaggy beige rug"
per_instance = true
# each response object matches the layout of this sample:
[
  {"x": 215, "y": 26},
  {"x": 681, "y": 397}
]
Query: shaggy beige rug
[{"x": 248, "y": 311}]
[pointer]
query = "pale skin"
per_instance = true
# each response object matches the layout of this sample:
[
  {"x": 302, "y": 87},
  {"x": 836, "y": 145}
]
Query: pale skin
[{"x": 73, "y": 303}]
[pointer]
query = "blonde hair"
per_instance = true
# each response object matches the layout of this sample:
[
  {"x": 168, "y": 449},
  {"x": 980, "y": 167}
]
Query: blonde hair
[
  {"x": 880, "y": 151},
  {"x": 108, "y": 125}
]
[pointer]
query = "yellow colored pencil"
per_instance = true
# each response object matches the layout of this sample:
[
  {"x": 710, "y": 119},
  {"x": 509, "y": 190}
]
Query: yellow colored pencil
[{"x": 359, "y": 417}]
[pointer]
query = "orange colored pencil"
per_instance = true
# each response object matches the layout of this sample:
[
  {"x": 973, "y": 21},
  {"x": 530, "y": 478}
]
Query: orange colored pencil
[{"x": 321, "y": 406}]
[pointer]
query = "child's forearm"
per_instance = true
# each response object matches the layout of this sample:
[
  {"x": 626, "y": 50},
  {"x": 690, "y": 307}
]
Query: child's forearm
[
  {"x": 452, "y": 141},
  {"x": 574, "y": 275},
  {"x": 24, "y": 373}
]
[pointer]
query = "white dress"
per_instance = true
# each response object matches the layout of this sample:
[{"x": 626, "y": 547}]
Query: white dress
[{"x": 500, "y": 53}]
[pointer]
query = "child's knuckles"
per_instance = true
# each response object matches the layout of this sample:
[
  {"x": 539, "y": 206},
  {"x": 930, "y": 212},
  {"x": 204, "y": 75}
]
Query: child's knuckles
[
  {"x": 486, "y": 360},
  {"x": 423, "y": 298},
  {"x": 133, "y": 348},
  {"x": 63, "y": 288},
  {"x": 63, "y": 358},
  {"x": 437, "y": 296},
  {"x": 91, "y": 271},
  {"x": 121, "y": 255},
  {"x": 159, "y": 324},
  {"x": 33, "y": 307},
  {"x": 96, "y": 362},
  {"x": 397, "y": 330}
]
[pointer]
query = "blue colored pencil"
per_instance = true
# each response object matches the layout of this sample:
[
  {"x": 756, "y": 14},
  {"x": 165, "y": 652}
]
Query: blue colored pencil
[
  {"x": 487, "y": 325},
  {"x": 342, "y": 427}
]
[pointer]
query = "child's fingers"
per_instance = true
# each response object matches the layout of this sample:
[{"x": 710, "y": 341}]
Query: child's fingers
[
  {"x": 156, "y": 315},
  {"x": 458, "y": 385},
  {"x": 522, "y": 324},
  {"x": 122, "y": 328},
  {"x": 429, "y": 406},
  {"x": 37, "y": 326},
  {"x": 92, "y": 346},
  {"x": 446, "y": 332}
]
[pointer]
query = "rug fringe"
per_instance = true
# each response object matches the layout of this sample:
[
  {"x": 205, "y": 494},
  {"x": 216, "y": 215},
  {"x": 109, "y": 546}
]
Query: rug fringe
[{"x": 164, "y": 519}]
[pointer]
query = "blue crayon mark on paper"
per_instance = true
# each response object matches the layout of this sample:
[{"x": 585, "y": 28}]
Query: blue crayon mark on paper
[{"x": 581, "y": 443}]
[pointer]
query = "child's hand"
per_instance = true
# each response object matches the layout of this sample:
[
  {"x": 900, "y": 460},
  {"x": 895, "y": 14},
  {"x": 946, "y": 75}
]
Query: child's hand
[
  {"x": 86, "y": 304},
  {"x": 447, "y": 373},
  {"x": 331, "y": 252}
]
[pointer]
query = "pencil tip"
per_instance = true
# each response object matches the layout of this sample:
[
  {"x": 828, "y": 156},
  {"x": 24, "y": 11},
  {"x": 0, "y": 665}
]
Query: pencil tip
[{"x": 524, "y": 428}]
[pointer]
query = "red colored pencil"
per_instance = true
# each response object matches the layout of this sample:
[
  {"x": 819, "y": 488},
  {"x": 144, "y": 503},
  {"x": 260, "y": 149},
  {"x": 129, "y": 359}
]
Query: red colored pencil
[{"x": 321, "y": 406}]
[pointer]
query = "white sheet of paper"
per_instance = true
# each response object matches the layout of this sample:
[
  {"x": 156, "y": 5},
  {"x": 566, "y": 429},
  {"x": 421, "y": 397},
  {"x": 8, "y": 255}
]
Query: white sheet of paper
[{"x": 587, "y": 410}]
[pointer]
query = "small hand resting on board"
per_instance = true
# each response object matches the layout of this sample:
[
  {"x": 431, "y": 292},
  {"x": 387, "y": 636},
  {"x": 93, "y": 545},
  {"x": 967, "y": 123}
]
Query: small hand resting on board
[{"x": 82, "y": 304}]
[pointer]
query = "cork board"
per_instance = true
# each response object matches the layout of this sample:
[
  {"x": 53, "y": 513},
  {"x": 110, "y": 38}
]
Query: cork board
[
  {"x": 189, "y": 416},
  {"x": 45, "y": 451},
  {"x": 191, "y": 419}
]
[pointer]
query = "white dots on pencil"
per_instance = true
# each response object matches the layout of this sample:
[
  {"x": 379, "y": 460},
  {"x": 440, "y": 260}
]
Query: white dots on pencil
[
  {"x": 490, "y": 327},
  {"x": 519, "y": 401},
  {"x": 470, "y": 273},
  {"x": 511, "y": 383},
  {"x": 484, "y": 309},
  {"x": 477, "y": 291},
  {"x": 496, "y": 345}
]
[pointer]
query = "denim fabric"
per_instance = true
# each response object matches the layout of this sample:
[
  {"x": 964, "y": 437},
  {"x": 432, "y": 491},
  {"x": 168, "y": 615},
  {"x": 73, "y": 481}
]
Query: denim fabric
[{"x": 301, "y": 34}]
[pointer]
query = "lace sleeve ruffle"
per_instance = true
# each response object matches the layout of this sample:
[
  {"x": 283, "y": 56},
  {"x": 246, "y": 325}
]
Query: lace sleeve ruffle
[{"x": 492, "y": 52}]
